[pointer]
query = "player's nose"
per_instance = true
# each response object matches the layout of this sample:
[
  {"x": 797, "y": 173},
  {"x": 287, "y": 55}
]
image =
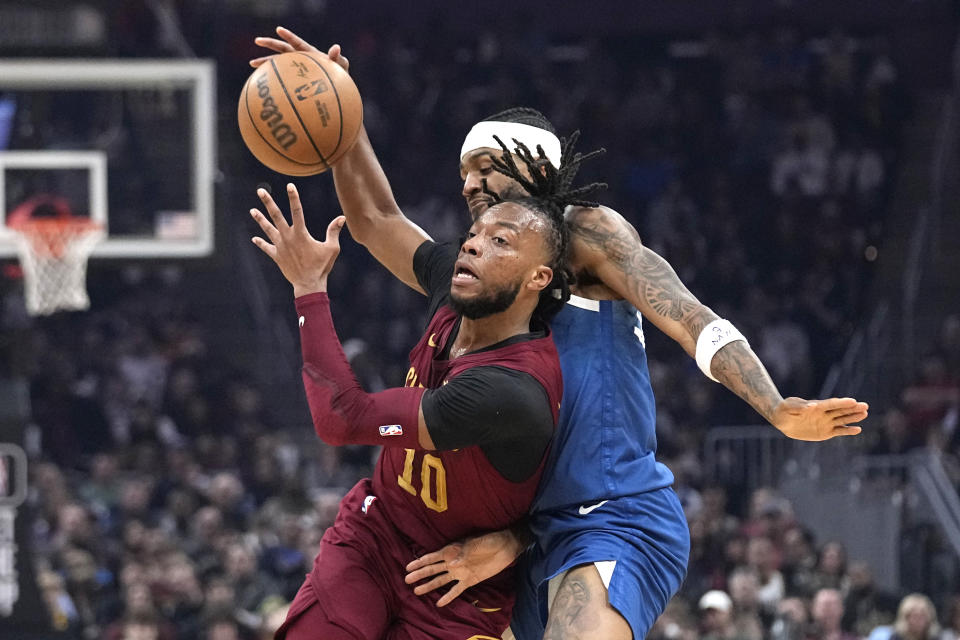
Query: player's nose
[
  {"x": 471, "y": 245},
  {"x": 471, "y": 184}
]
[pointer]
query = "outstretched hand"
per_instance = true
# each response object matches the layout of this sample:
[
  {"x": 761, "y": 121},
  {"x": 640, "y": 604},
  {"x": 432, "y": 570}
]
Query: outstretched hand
[
  {"x": 815, "y": 420},
  {"x": 289, "y": 41},
  {"x": 464, "y": 563},
  {"x": 304, "y": 261}
]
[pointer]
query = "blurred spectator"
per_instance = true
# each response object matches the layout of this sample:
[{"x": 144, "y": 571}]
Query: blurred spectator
[
  {"x": 831, "y": 570},
  {"x": 866, "y": 606},
  {"x": 928, "y": 399},
  {"x": 140, "y": 618},
  {"x": 799, "y": 562},
  {"x": 762, "y": 559},
  {"x": 791, "y": 622},
  {"x": 827, "y": 613},
  {"x": 716, "y": 616},
  {"x": 951, "y": 618},
  {"x": 897, "y": 437},
  {"x": 916, "y": 620},
  {"x": 251, "y": 585},
  {"x": 744, "y": 587}
]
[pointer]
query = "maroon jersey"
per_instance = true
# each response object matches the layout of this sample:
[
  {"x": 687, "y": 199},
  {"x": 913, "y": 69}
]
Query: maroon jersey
[
  {"x": 419, "y": 501},
  {"x": 436, "y": 497}
]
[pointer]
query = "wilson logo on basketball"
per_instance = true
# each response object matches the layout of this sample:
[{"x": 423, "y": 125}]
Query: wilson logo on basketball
[{"x": 271, "y": 115}]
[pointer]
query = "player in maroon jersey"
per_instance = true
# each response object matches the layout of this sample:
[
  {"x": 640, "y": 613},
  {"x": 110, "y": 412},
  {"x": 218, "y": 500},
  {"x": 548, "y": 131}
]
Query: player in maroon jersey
[{"x": 464, "y": 441}]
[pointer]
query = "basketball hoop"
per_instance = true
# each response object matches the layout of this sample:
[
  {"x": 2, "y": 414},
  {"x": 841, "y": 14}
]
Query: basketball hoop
[{"x": 53, "y": 253}]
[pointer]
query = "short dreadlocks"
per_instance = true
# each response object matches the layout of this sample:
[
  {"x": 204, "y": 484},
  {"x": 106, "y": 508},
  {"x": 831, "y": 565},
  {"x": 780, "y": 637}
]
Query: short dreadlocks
[{"x": 550, "y": 194}]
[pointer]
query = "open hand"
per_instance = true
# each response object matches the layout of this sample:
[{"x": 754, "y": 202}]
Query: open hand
[
  {"x": 304, "y": 261},
  {"x": 289, "y": 41},
  {"x": 466, "y": 563},
  {"x": 816, "y": 420}
]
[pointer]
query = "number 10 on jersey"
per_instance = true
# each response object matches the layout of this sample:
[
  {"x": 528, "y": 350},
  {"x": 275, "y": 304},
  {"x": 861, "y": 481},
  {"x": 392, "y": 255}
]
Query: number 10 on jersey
[{"x": 432, "y": 474}]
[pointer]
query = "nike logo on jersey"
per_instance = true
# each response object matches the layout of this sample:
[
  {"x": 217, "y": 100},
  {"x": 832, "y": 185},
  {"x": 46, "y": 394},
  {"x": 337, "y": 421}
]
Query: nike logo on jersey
[
  {"x": 430, "y": 342},
  {"x": 585, "y": 510},
  {"x": 302, "y": 319}
]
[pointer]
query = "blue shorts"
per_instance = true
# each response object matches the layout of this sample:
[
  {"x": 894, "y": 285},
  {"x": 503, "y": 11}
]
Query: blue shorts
[{"x": 646, "y": 535}]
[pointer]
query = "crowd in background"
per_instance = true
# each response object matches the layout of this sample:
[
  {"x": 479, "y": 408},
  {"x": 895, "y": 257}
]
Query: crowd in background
[{"x": 170, "y": 502}]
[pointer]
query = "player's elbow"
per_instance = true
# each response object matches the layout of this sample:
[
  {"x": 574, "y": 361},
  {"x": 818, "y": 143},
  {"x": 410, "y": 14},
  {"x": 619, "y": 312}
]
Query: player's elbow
[
  {"x": 330, "y": 433},
  {"x": 369, "y": 227}
]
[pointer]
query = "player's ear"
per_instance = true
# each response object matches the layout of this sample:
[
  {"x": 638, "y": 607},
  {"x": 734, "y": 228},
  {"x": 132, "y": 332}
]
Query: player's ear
[{"x": 541, "y": 278}]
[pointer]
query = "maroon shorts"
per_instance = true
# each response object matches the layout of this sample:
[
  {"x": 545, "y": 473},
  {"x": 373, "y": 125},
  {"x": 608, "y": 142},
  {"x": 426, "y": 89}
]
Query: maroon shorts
[{"x": 356, "y": 590}]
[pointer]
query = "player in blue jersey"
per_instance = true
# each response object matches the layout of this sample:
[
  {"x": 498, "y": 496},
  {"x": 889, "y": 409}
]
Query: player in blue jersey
[{"x": 607, "y": 541}]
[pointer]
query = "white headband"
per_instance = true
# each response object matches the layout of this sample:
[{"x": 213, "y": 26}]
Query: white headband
[{"x": 481, "y": 135}]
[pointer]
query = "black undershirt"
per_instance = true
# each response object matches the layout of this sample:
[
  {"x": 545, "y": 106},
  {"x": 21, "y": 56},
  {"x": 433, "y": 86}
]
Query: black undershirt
[{"x": 504, "y": 411}]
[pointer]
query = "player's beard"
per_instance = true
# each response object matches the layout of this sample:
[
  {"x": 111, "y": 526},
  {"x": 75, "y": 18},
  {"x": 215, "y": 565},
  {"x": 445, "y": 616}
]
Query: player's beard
[{"x": 487, "y": 303}]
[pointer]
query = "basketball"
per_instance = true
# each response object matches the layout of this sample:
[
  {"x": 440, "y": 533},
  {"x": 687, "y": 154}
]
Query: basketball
[{"x": 299, "y": 113}]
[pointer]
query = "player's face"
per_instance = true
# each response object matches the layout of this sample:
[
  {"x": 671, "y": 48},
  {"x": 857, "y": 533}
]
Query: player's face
[
  {"x": 502, "y": 258},
  {"x": 475, "y": 167}
]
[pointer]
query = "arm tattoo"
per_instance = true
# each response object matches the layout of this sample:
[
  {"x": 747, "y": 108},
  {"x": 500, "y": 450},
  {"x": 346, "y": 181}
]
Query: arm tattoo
[
  {"x": 566, "y": 615},
  {"x": 655, "y": 282},
  {"x": 647, "y": 274},
  {"x": 739, "y": 369}
]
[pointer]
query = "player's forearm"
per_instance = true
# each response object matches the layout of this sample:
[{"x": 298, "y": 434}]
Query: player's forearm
[
  {"x": 363, "y": 189},
  {"x": 342, "y": 412},
  {"x": 739, "y": 369},
  {"x": 522, "y": 536}
]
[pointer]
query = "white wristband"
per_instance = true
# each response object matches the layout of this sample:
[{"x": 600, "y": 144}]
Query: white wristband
[{"x": 714, "y": 337}]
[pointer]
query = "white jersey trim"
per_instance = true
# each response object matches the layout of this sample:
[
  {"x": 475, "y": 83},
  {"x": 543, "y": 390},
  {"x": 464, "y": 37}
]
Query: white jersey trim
[
  {"x": 604, "y": 567},
  {"x": 584, "y": 303}
]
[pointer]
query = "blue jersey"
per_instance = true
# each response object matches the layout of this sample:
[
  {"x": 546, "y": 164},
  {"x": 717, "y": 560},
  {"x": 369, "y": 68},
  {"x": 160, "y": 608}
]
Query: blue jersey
[{"x": 606, "y": 439}]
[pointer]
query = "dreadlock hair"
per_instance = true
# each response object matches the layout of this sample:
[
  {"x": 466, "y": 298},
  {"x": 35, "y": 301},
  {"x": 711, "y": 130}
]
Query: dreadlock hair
[
  {"x": 523, "y": 115},
  {"x": 550, "y": 194}
]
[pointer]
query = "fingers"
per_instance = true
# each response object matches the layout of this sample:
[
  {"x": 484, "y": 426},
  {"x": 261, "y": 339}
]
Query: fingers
[
  {"x": 336, "y": 55},
  {"x": 295, "y": 41},
  {"x": 275, "y": 214},
  {"x": 266, "y": 247},
  {"x": 257, "y": 62},
  {"x": 270, "y": 231},
  {"x": 847, "y": 418},
  {"x": 436, "y": 583},
  {"x": 296, "y": 208},
  {"x": 451, "y": 595},
  {"x": 424, "y": 571},
  {"x": 273, "y": 44},
  {"x": 836, "y": 404},
  {"x": 424, "y": 560},
  {"x": 845, "y": 431},
  {"x": 333, "y": 231}
]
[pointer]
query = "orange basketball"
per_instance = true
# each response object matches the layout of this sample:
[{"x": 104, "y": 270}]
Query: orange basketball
[{"x": 299, "y": 113}]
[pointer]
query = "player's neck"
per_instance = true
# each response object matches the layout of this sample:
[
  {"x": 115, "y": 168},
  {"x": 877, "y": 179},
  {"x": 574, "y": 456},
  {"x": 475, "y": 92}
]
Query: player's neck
[{"x": 484, "y": 332}]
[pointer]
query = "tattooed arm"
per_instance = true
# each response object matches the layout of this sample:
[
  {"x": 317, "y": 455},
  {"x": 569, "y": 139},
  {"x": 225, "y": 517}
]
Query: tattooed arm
[{"x": 607, "y": 247}]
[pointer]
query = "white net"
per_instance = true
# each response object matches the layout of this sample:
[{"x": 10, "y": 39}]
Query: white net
[{"x": 53, "y": 256}]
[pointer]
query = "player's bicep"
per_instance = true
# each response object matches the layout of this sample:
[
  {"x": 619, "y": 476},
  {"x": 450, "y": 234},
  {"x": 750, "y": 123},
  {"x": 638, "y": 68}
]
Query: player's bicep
[
  {"x": 608, "y": 247},
  {"x": 487, "y": 406},
  {"x": 394, "y": 246}
]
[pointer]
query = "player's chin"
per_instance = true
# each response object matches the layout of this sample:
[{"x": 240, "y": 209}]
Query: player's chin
[
  {"x": 465, "y": 286},
  {"x": 477, "y": 207}
]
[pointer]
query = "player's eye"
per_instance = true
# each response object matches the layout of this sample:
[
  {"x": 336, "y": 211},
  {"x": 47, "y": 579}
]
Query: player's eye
[
  {"x": 499, "y": 240},
  {"x": 485, "y": 171}
]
